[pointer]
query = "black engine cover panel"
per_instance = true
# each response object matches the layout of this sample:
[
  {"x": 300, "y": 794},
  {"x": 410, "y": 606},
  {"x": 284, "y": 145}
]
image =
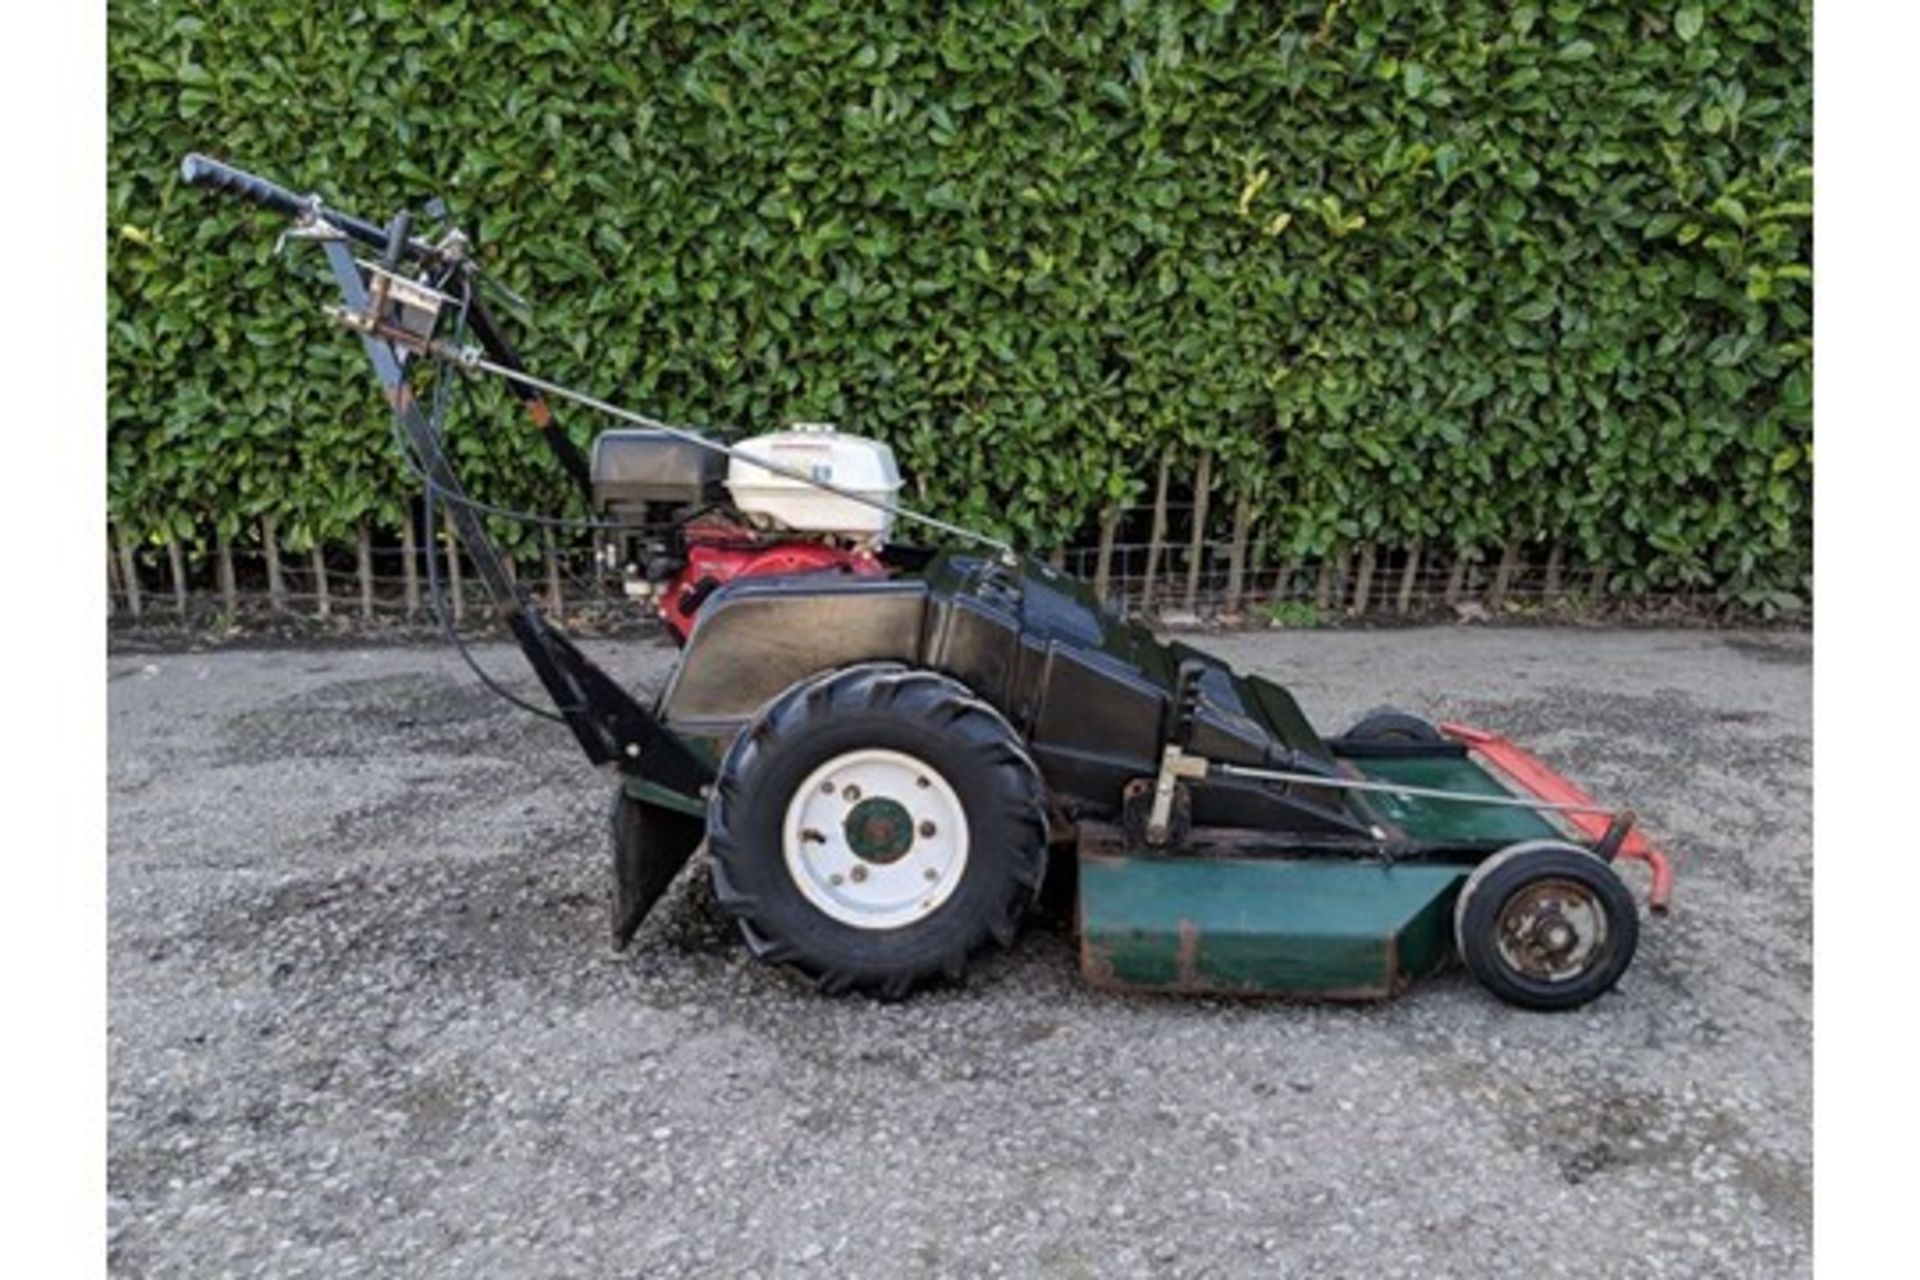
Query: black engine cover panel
[{"x": 1094, "y": 696}]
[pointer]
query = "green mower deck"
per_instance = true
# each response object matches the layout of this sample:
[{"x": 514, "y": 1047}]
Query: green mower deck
[
  {"x": 1309, "y": 927},
  {"x": 1322, "y": 928}
]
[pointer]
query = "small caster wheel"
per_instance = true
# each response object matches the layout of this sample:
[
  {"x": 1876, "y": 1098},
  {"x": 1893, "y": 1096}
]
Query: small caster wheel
[
  {"x": 1387, "y": 725},
  {"x": 1546, "y": 925}
]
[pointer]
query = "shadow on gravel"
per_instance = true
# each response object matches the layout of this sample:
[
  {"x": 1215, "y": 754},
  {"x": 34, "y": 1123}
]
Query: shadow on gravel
[
  {"x": 388, "y": 715},
  {"x": 1786, "y": 650}
]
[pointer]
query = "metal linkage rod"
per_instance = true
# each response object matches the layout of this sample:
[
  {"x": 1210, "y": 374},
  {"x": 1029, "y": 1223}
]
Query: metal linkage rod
[
  {"x": 472, "y": 359},
  {"x": 1394, "y": 788}
]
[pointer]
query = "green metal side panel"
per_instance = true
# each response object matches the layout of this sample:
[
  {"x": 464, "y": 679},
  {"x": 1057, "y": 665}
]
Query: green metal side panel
[
  {"x": 1322, "y": 928},
  {"x": 1449, "y": 820}
]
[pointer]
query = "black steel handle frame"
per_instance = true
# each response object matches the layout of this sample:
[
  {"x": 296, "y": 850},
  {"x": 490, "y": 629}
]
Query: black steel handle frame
[
  {"x": 612, "y": 727},
  {"x": 398, "y": 248}
]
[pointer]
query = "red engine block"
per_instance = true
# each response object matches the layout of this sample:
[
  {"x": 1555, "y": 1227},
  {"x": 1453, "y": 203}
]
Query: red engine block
[{"x": 732, "y": 553}]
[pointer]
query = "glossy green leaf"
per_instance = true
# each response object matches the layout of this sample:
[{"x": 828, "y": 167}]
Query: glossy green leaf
[{"x": 1537, "y": 271}]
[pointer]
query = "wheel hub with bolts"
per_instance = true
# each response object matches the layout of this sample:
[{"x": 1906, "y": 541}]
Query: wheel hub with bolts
[
  {"x": 1552, "y": 930},
  {"x": 879, "y": 829},
  {"x": 876, "y": 839}
]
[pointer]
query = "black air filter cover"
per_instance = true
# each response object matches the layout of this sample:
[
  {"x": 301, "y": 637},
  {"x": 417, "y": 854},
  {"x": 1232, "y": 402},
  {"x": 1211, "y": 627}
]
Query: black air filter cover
[{"x": 639, "y": 465}]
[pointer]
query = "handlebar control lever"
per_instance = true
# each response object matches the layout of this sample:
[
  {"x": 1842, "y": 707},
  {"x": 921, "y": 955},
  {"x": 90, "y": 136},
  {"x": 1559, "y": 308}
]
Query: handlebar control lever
[
  {"x": 308, "y": 228},
  {"x": 399, "y": 232},
  {"x": 394, "y": 240}
]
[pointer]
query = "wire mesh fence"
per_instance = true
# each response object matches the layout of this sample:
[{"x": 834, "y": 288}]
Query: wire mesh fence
[{"x": 1168, "y": 575}]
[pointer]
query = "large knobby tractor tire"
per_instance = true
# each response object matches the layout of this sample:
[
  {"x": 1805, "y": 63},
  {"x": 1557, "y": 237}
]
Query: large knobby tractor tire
[{"x": 875, "y": 827}]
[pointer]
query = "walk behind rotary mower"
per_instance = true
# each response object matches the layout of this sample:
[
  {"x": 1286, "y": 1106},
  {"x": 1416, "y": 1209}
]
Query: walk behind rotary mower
[{"x": 883, "y": 747}]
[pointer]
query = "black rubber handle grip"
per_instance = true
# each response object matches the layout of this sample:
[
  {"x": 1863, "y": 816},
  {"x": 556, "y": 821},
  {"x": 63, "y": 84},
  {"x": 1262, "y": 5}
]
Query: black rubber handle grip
[{"x": 199, "y": 171}]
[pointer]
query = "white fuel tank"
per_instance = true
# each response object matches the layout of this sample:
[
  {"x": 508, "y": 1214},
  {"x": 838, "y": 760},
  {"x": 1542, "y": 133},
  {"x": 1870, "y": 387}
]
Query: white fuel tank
[{"x": 848, "y": 462}]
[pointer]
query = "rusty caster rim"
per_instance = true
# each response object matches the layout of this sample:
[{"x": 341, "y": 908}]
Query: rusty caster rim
[
  {"x": 875, "y": 839},
  {"x": 1552, "y": 930}
]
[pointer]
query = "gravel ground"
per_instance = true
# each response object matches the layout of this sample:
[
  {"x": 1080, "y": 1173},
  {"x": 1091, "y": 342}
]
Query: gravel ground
[{"x": 362, "y": 1019}]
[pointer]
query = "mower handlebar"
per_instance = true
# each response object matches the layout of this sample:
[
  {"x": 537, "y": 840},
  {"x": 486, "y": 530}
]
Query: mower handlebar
[{"x": 197, "y": 170}]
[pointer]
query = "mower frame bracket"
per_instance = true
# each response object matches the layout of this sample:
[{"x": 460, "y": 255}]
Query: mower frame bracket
[{"x": 1175, "y": 764}]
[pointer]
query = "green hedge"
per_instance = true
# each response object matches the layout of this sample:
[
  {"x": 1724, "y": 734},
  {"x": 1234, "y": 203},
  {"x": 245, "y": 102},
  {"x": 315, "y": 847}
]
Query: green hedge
[{"x": 1460, "y": 271}]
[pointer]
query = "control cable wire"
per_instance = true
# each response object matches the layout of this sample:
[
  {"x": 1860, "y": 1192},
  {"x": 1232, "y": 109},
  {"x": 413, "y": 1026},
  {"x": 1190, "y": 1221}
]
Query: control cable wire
[{"x": 431, "y": 490}]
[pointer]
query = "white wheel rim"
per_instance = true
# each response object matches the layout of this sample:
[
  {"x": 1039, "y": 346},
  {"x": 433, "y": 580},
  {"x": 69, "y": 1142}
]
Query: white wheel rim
[{"x": 845, "y": 850}]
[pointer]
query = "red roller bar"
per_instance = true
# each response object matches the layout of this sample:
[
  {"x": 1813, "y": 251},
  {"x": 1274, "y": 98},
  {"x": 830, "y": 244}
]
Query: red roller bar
[{"x": 1540, "y": 780}]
